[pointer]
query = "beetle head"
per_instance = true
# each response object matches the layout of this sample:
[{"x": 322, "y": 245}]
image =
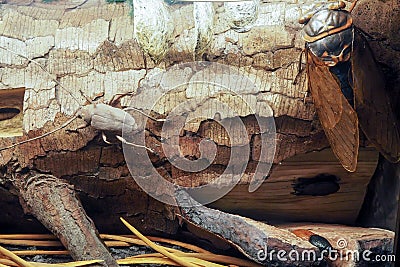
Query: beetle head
[{"x": 329, "y": 35}]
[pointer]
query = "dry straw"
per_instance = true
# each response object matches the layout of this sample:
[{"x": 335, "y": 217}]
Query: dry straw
[{"x": 164, "y": 255}]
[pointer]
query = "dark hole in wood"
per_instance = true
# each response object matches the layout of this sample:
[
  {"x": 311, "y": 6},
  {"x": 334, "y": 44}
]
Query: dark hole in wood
[
  {"x": 320, "y": 185},
  {"x": 8, "y": 113},
  {"x": 11, "y": 111}
]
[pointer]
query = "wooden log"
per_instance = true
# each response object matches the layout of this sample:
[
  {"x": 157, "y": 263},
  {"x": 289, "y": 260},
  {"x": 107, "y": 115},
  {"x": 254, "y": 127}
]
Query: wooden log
[
  {"x": 288, "y": 245},
  {"x": 55, "y": 205},
  {"x": 276, "y": 200},
  {"x": 89, "y": 54}
]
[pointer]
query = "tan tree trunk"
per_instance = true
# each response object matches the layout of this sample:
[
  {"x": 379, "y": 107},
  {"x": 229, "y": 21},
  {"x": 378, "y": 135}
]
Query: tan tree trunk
[{"x": 89, "y": 54}]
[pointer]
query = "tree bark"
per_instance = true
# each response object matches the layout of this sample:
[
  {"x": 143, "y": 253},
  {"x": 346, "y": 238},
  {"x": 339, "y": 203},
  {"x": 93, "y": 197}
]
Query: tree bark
[
  {"x": 54, "y": 203},
  {"x": 287, "y": 244},
  {"x": 89, "y": 53}
]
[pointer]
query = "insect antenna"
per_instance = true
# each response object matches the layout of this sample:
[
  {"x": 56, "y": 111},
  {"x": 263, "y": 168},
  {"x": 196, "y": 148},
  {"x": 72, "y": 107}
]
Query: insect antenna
[
  {"x": 144, "y": 114},
  {"x": 75, "y": 114},
  {"x": 300, "y": 69},
  {"x": 353, "y": 5},
  {"x": 44, "y": 69},
  {"x": 65, "y": 124},
  {"x": 118, "y": 96}
]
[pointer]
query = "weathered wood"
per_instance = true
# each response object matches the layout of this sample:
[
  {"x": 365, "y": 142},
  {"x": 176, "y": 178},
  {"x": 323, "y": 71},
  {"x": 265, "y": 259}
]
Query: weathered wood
[
  {"x": 55, "y": 205},
  {"x": 249, "y": 236},
  {"x": 90, "y": 53},
  {"x": 275, "y": 199},
  {"x": 11, "y": 112},
  {"x": 262, "y": 242},
  {"x": 355, "y": 246}
]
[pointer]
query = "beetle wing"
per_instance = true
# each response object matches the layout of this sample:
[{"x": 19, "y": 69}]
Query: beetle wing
[
  {"x": 338, "y": 118},
  {"x": 372, "y": 104}
]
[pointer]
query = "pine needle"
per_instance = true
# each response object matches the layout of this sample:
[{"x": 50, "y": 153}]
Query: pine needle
[
  {"x": 40, "y": 252},
  {"x": 222, "y": 259},
  {"x": 199, "y": 257},
  {"x": 207, "y": 257},
  {"x": 147, "y": 260},
  {"x": 157, "y": 248},
  {"x": 29, "y": 236},
  {"x": 14, "y": 257},
  {"x": 117, "y": 244},
  {"x": 37, "y": 243},
  {"x": 67, "y": 264},
  {"x": 53, "y": 243},
  {"x": 176, "y": 243},
  {"x": 201, "y": 262},
  {"x": 135, "y": 241},
  {"x": 157, "y": 258},
  {"x": 8, "y": 262}
]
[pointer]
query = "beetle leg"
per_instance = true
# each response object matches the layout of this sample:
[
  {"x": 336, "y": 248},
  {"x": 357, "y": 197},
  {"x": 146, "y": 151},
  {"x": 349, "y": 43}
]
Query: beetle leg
[
  {"x": 117, "y": 97},
  {"x": 80, "y": 126},
  {"x": 353, "y": 6},
  {"x": 300, "y": 70},
  {"x": 103, "y": 135},
  {"x": 123, "y": 140}
]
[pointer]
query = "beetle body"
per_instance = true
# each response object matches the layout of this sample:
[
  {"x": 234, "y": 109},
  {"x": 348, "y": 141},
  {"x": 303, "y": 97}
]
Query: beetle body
[{"x": 347, "y": 87}]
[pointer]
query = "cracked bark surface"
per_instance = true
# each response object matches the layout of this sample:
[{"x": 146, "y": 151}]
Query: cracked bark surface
[
  {"x": 91, "y": 52},
  {"x": 260, "y": 241},
  {"x": 55, "y": 205}
]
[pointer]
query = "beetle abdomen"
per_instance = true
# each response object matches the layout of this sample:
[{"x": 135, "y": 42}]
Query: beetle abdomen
[{"x": 342, "y": 71}]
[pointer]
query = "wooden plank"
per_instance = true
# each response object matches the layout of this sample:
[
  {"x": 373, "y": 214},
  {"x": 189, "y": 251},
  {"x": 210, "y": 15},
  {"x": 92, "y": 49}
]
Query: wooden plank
[{"x": 275, "y": 200}]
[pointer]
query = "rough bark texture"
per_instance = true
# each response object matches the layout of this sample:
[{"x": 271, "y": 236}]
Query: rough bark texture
[
  {"x": 251, "y": 237},
  {"x": 96, "y": 57},
  {"x": 56, "y": 206},
  {"x": 91, "y": 52}
]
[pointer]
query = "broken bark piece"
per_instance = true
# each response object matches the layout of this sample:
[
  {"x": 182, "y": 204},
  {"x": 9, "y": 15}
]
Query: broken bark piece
[
  {"x": 54, "y": 203},
  {"x": 353, "y": 246},
  {"x": 282, "y": 245},
  {"x": 260, "y": 242},
  {"x": 94, "y": 68}
]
